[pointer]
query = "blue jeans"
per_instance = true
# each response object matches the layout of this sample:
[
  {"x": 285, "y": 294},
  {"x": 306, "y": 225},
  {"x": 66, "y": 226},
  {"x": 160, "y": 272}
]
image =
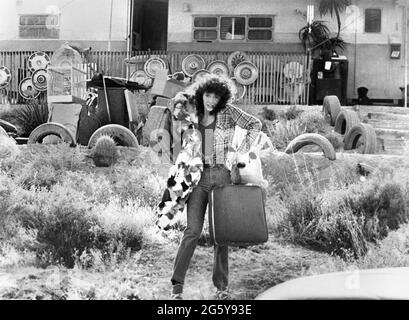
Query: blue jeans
[{"x": 196, "y": 209}]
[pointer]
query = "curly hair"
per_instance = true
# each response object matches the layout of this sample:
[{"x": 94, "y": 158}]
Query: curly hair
[{"x": 220, "y": 86}]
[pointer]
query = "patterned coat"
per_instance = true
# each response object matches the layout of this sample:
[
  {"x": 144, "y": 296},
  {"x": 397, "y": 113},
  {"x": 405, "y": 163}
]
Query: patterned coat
[{"x": 183, "y": 176}]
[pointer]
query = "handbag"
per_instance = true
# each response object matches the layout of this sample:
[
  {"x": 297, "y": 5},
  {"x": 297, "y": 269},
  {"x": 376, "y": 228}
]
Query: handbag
[{"x": 247, "y": 167}]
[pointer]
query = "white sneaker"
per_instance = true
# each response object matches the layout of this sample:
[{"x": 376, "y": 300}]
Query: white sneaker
[
  {"x": 176, "y": 296},
  {"x": 222, "y": 295}
]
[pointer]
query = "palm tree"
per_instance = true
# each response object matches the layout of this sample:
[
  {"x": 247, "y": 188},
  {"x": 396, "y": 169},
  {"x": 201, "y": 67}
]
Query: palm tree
[
  {"x": 317, "y": 36},
  {"x": 334, "y": 7},
  {"x": 314, "y": 34}
]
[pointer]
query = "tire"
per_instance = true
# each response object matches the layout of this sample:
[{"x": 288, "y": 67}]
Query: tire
[
  {"x": 3, "y": 132},
  {"x": 331, "y": 108},
  {"x": 51, "y": 128},
  {"x": 7, "y": 126},
  {"x": 361, "y": 130},
  {"x": 346, "y": 119},
  {"x": 122, "y": 135},
  {"x": 309, "y": 139}
]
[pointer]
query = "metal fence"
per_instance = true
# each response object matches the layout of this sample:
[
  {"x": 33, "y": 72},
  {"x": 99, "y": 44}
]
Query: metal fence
[{"x": 271, "y": 87}]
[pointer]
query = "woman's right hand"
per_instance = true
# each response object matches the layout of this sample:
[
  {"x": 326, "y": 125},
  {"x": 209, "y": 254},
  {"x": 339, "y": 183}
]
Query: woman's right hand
[{"x": 180, "y": 98}]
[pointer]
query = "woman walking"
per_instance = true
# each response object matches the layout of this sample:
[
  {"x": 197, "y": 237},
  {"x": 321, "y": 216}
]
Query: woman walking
[{"x": 216, "y": 121}]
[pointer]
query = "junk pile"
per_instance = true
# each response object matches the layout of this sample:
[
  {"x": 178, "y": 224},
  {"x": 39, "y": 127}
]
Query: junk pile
[
  {"x": 150, "y": 72},
  {"x": 81, "y": 107}
]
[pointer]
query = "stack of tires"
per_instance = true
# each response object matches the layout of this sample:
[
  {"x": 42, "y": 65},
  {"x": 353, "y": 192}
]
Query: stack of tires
[{"x": 357, "y": 135}]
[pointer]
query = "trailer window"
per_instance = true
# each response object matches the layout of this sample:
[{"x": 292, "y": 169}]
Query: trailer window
[
  {"x": 39, "y": 26},
  {"x": 232, "y": 28},
  {"x": 205, "y": 28},
  {"x": 260, "y": 28},
  {"x": 373, "y": 20}
]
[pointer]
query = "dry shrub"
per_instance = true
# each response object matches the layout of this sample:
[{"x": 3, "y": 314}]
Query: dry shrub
[
  {"x": 69, "y": 213},
  {"x": 95, "y": 188},
  {"x": 138, "y": 184},
  {"x": 283, "y": 132},
  {"x": 389, "y": 252},
  {"x": 38, "y": 174},
  {"x": 382, "y": 203},
  {"x": 268, "y": 114},
  {"x": 68, "y": 226},
  {"x": 63, "y": 157},
  {"x": 292, "y": 123},
  {"x": 308, "y": 223},
  {"x": 276, "y": 211},
  {"x": 8, "y": 148},
  {"x": 44, "y": 167},
  {"x": 63, "y": 221},
  {"x": 11, "y": 257},
  {"x": 344, "y": 220},
  {"x": 124, "y": 224},
  {"x": 291, "y": 113},
  {"x": 335, "y": 139},
  {"x": 312, "y": 121},
  {"x": 7, "y": 189}
]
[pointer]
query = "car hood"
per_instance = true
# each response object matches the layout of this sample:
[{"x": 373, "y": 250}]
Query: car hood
[{"x": 383, "y": 283}]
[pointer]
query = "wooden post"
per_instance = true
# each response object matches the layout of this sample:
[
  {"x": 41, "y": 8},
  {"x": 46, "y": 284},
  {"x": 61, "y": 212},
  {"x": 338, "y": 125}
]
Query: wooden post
[
  {"x": 110, "y": 26},
  {"x": 405, "y": 88}
]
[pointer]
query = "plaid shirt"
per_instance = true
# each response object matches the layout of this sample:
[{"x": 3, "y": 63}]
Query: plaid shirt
[{"x": 226, "y": 120}]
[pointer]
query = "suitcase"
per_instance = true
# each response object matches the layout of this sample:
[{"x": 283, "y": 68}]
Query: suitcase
[
  {"x": 237, "y": 216},
  {"x": 159, "y": 117}
]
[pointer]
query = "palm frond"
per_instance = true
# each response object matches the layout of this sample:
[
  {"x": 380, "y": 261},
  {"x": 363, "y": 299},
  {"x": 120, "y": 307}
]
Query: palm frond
[
  {"x": 333, "y": 6},
  {"x": 31, "y": 115},
  {"x": 314, "y": 34},
  {"x": 333, "y": 43}
]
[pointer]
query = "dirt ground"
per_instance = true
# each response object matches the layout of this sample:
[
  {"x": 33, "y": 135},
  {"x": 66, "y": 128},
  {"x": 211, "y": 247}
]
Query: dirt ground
[{"x": 146, "y": 275}]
